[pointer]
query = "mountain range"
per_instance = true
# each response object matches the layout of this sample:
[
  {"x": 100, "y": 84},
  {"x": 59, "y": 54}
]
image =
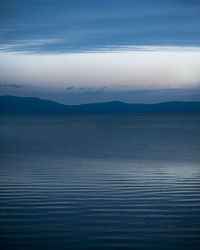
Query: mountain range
[{"x": 23, "y": 105}]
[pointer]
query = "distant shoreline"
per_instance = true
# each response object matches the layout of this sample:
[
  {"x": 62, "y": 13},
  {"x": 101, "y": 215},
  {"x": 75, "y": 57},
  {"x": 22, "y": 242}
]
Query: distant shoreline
[{"x": 33, "y": 105}]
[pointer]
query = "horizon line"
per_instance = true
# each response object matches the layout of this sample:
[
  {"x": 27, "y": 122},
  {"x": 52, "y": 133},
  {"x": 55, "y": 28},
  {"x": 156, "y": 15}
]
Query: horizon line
[{"x": 114, "y": 101}]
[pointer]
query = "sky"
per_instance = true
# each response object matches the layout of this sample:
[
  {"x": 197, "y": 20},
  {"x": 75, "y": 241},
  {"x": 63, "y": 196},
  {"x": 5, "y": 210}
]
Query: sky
[{"x": 75, "y": 51}]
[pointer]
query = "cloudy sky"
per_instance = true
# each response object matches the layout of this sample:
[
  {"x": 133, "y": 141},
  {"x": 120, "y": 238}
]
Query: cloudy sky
[{"x": 79, "y": 51}]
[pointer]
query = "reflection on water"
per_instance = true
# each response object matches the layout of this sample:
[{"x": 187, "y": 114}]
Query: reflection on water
[{"x": 100, "y": 182}]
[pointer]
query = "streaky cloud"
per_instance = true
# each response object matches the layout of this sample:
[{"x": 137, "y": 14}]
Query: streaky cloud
[{"x": 79, "y": 26}]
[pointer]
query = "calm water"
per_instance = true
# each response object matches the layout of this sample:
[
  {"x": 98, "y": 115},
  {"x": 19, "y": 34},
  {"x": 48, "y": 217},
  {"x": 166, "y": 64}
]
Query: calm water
[{"x": 119, "y": 181}]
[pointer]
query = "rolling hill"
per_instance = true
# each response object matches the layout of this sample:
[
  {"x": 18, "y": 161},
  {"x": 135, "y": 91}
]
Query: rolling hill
[{"x": 23, "y": 105}]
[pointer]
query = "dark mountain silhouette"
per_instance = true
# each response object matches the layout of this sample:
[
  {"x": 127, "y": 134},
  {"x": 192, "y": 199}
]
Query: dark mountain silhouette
[{"x": 13, "y": 104}]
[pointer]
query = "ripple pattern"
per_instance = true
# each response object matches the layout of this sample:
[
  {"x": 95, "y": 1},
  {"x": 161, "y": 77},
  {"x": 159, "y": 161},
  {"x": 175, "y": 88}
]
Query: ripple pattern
[{"x": 52, "y": 200}]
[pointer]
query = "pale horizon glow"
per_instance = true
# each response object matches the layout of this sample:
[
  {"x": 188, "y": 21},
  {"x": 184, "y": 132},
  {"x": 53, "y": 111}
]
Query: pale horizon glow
[{"x": 150, "y": 68}]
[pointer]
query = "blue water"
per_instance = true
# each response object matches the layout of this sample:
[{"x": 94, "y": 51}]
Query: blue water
[{"x": 114, "y": 181}]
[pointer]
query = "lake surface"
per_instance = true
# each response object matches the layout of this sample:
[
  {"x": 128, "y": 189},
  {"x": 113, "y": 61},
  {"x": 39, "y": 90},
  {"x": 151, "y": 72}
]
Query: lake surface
[{"x": 114, "y": 181}]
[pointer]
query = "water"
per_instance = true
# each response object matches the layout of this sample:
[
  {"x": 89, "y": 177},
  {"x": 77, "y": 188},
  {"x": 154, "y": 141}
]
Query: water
[{"x": 114, "y": 181}]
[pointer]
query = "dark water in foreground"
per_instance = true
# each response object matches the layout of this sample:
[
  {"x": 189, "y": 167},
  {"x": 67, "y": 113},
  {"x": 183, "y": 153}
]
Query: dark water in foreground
[{"x": 119, "y": 181}]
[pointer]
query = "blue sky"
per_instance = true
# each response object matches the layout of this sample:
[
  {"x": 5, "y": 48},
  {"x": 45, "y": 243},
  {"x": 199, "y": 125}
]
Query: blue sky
[{"x": 99, "y": 50}]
